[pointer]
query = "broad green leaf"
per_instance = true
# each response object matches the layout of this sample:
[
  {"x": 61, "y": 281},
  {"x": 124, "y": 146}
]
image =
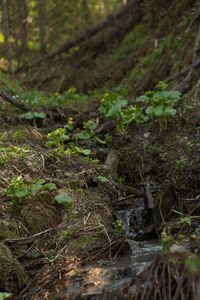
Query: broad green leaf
[
  {"x": 50, "y": 143},
  {"x": 50, "y": 186},
  {"x": 169, "y": 111},
  {"x": 5, "y": 295},
  {"x": 90, "y": 126},
  {"x": 149, "y": 110},
  {"x": 75, "y": 212},
  {"x": 28, "y": 115},
  {"x": 142, "y": 99},
  {"x": 40, "y": 115},
  {"x": 158, "y": 111},
  {"x": 64, "y": 199},
  {"x": 63, "y": 138},
  {"x": 39, "y": 181},
  {"x": 102, "y": 178},
  {"x": 85, "y": 151},
  {"x": 83, "y": 135},
  {"x": 35, "y": 188},
  {"x": 21, "y": 192}
]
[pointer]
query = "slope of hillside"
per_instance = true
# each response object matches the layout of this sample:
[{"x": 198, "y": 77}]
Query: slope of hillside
[{"x": 147, "y": 42}]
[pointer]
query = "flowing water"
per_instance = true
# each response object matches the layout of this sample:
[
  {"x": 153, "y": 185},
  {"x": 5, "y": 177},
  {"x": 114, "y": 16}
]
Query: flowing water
[{"x": 106, "y": 277}]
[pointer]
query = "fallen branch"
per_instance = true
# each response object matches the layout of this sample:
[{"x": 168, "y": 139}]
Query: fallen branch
[
  {"x": 14, "y": 101},
  {"x": 184, "y": 71}
]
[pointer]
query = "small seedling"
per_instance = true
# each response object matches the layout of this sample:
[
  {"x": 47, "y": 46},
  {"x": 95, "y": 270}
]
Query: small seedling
[
  {"x": 18, "y": 190},
  {"x": 88, "y": 132},
  {"x": 185, "y": 220},
  {"x": 192, "y": 264},
  {"x": 166, "y": 241},
  {"x": 118, "y": 225},
  {"x": 33, "y": 115},
  {"x": 57, "y": 138},
  {"x": 181, "y": 163},
  {"x": 67, "y": 201},
  {"x": 102, "y": 178},
  {"x": 69, "y": 124},
  {"x": 78, "y": 150},
  {"x": 17, "y": 134}
]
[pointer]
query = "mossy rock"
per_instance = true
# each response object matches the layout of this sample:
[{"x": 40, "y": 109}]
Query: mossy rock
[
  {"x": 38, "y": 217},
  {"x": 12, "y": 275}
]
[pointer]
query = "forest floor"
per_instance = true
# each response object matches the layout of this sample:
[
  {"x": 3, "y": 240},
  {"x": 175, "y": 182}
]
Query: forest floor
[
  {"x": 44, "y": 250},
  {"x": 59, "y": 194}
]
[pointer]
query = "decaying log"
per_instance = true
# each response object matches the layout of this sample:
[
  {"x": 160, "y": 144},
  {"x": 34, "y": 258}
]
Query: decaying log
[{"x": 14, "y": 101}]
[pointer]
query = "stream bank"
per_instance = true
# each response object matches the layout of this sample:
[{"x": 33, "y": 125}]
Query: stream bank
[{"x": 46, "y": 254}]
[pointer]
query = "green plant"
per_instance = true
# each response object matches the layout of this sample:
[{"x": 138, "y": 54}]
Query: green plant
[
  {"x": 88, "y": 132},
  {"x": 112, "y": 107},
  {"x": 185, "y": 220},
  {"x": 108, "y": 138},
  {"x": 4, "y": 295},
  {"x": 192, "y": 264},
  {"x": 65, "y": 200},
  {"x": 33, "y": 115},
  {"x": 17, "y": 134},
  {"x": 69, "y": 124},
  {"x": 77, "y": 150},
  {"x": 180, "y": 164},
  {"x": 166, "y": 241},
  {"x": 155, "y": 149},
  {"x": 102, "y": 178},
  {"x": 118, "y": 226},
  {"x": 64, "y": 233},
  {"x": 18, "y": 190},
  {"x": 57, "y": 138},
  {"x": 6, "y": 153},
  {"x": 2, "y": 137},
  {"x": 160, "y": 103}
]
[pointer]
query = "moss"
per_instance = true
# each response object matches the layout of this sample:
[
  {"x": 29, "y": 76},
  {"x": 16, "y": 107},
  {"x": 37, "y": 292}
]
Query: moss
[
  {"x": 38, "y": 217},
  {"x": 10, "y": 230},
  {"x": 12, "y": 274},
  {"x": 85, "y": 242}
]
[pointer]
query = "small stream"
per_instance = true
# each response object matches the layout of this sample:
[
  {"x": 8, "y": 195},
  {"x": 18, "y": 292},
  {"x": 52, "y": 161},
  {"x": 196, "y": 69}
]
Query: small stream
[{"x": 106, "y": 278}]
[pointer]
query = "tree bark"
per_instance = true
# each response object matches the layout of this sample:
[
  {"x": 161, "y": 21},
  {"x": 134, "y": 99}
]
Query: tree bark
[
  {"x": 14, "y": 102},
  {"x": 6, "y": 35},
  {"x": 22, "y": 24},
  {"x": 41, "y": 13}
]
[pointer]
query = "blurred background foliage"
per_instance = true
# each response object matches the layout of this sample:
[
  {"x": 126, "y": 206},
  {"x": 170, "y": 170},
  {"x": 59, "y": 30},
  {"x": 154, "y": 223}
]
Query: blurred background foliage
[{"x": 35, "y": 27}]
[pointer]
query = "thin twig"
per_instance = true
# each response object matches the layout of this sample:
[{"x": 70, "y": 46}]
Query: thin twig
[{"x": 29, "y": 237}]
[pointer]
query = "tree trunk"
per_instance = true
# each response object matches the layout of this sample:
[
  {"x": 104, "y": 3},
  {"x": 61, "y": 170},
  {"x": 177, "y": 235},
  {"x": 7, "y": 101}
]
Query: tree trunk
[
  {"x": 22, "y": 24},
  {"x": 6, "y": 35},
  {"x": 41, "y": 10},
  {"x": 86, "y": 12}
]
